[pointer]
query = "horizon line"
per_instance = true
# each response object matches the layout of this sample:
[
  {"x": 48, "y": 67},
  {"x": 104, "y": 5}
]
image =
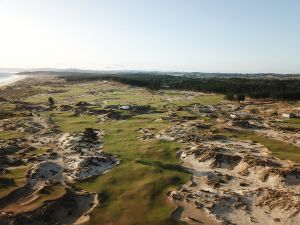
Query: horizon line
[{"x": 51, "y": 69}]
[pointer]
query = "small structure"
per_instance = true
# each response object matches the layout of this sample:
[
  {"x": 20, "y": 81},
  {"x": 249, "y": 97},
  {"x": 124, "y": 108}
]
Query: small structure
[
  {"x": 288, "y": 115},
  {"x": 233, "y": 116},
  {"x": 125, "y": 107}
]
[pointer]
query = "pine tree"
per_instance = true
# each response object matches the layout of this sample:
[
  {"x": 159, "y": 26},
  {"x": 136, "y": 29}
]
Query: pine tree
[
  {"x": 51, "y": 102},
  {"x": 90, "y": 135}
]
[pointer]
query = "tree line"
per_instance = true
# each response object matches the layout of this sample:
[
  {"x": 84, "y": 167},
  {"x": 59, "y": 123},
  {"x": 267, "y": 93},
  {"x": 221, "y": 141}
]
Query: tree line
[{"x": 281, "y": 89}]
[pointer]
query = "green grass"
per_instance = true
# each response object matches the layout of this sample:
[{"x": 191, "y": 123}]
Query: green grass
[
  {"x": 70, "y": 123},
  {"x": 293, "y": 122},
  {"x": 56, "y": 192},
  {"x": 202, "y": 99},
  {"x": 278, "y": 149},
  {"x": 18, "y": 174},
  {"x": 120, "y": 95},
  {"x": 135, "y": 192},
  {"x": 11, "y": 134},
  {"x": 39, "y": 151}
]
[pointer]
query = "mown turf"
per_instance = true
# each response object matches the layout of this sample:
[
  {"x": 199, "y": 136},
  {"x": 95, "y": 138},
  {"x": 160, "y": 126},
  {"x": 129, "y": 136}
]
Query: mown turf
[
  {"x": 70, "y": 123},
  {"x": 135, "y": 192}
]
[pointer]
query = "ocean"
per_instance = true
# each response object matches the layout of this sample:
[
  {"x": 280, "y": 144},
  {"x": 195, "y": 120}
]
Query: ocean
[{"x": 6, "y": 76}]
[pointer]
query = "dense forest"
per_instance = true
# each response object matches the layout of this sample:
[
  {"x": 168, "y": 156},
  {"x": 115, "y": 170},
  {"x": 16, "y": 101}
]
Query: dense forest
[{"x": 283, "y": 89}]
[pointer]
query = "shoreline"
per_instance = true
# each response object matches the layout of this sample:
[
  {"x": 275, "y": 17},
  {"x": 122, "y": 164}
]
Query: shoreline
[{"x": 11, "y": 80}]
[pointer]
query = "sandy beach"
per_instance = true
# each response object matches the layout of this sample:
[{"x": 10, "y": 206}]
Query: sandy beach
[{"x": 12, "y": 79}]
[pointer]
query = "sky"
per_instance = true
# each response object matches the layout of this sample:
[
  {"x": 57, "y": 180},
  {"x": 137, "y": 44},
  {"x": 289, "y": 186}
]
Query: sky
[{"x": 171, "y": 35}]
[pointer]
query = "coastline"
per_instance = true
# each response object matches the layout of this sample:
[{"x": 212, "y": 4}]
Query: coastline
[{"x": 11, "y": 80}]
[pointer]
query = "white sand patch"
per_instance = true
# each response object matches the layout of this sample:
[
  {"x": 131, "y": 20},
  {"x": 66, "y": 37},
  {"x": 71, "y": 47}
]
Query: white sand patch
[{"x": 236, "y": 182}]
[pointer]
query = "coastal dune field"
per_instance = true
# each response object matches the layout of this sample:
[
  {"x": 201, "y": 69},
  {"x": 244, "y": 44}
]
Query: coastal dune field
[
  {"x": 130, "y": 112},
  {"x": 103, "y": 152}
]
